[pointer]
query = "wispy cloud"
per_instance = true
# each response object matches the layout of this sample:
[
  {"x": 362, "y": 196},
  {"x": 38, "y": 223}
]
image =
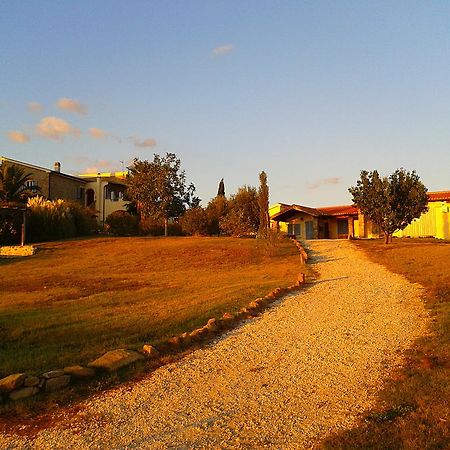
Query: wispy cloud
[
  {"x": 56, "y": 129},
  {"x": 323, "y": 182},
  {"x": 142, "y": 143},
  {"x": 223, "y": 50},
  {"x": 98, "y": 133},
  {"x": 18, "y": 136},
  {"x": 70, "y": 104},
  {"x": 102, "y": 165},
  {"x": 34, "y": 107}
]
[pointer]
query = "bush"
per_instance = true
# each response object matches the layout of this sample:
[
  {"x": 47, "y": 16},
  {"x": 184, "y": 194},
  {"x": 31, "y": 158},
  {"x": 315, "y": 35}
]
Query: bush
[
  {"x": 10, "y": 226},
  {"x": 195, "y": 221},
  {"x": 57, "y": 219},
  {"x": 122, "y": 223},
  {"x": 152, "y": 227}
]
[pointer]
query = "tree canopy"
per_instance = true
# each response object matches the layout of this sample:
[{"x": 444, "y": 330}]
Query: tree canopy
[
  {"x": 390, "y": 202},
  {"x": 12, "y": 184},
  {"x": 263, "y": 202},
  {"x": 159, "y": 188}
]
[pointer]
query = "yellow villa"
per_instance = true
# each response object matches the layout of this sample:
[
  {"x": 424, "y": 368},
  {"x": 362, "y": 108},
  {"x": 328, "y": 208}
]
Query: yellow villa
[{"x": 342, "y": 222}]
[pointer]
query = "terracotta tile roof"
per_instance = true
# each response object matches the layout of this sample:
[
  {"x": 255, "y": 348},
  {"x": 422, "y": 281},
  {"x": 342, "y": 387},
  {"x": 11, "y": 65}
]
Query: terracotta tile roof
[
  {"x": 438, "y": 196},
  {"x": 339, "y": 210}
]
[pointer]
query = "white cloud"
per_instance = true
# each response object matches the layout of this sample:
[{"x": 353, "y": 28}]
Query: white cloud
[
  {"x": 18, "y": 136},
  {"x": 98, "y": 133},
  {"x": 34, "y": 107},
  {"x": 143, "y": 143},
  {"x": 223, "y": 50},
  {"x": 323, "y": 182},
  {"x": 69, "y": 104},
  {"x": 56, "y": 129}
]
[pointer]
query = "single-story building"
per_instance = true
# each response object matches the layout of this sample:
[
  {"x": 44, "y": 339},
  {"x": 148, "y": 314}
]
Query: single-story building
[{"x": 342, "y": 222}]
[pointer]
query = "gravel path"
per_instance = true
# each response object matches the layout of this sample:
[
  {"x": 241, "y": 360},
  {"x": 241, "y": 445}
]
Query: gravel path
[{"x": 303, "y": 369}]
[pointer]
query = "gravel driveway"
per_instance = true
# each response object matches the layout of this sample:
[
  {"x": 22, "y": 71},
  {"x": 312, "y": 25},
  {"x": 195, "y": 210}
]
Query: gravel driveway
[{"x": 306, "y": 367}]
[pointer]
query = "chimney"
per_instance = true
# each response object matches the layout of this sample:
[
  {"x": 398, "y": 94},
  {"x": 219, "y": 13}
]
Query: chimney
[{"x": 57, "y": 167}]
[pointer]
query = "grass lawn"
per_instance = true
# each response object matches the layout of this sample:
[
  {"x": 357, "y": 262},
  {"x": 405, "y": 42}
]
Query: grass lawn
[
  {"x": 76, "y": 299},
  {"x": 413, "y": 410}
]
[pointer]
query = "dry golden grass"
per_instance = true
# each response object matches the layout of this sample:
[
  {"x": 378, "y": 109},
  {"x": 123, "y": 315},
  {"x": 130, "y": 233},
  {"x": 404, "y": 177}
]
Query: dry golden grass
[
  {"x": 413, "y": 409},
  {"x": 75, "y": 299}
]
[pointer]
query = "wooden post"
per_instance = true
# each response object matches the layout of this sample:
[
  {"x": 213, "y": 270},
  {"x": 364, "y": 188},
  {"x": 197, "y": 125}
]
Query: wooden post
[{"x": 23, "y": 227}]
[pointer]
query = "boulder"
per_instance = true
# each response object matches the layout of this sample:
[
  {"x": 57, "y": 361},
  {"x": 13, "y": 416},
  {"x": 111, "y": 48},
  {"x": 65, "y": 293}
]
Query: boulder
[
  {"x": 115, "y": 359},
  {"x": 55, "y": 383},
  {"x": 174, "y": 341},
  {"x": 150, "y": 351},
  {"x": 23, "y": 393},
  {"x": 211, "y": 326},
  {"x": 185, "y": 338},
  {"x": 79, "y": 371},
  {"x": 31, "y": 381},
  {"x": 197, "y": 334},
  {"x": 12, "y": 382},
  {"x": 53, "y": 374}
]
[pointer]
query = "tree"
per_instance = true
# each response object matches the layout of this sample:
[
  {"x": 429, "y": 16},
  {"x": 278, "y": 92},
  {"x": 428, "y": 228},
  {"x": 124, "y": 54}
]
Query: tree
[
  {"x": 12, "y": 184},
  {"x": 243, "y": 213},
  {"x": 215, "y": 212},
  {"x": 390, "y": 202},
  {"x": 221, "y": 190},
  {"x": 195, "y": 221},
  {"x": 159, "y": 188},
  {"x": 263, "y": 202}
]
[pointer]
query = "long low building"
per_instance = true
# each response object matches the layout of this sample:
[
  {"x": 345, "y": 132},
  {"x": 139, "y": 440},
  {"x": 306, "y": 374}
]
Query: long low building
[{"x": 346, "y": 221}]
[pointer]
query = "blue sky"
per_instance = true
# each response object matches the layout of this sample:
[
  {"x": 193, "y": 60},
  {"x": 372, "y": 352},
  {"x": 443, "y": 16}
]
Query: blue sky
[{"x": 310, "y": 92}]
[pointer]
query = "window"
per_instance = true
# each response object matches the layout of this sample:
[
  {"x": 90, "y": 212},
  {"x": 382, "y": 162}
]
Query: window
[
  {"x": 30, "y": 184},
  {"x": 80, "y": 193}
]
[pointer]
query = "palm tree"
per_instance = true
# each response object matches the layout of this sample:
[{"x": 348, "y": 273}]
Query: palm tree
[{"x": 12, "y": 184}]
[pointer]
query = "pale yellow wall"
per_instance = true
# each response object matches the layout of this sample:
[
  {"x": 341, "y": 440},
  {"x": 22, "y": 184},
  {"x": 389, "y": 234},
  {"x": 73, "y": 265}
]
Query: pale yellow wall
[
  {"x": 435, "y": 223},
  {"x": 106, "y": 206},
  {"x": 274, "y": 209}
]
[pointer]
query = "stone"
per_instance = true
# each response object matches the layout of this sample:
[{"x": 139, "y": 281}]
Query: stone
[
  {"x": 31, "y": 381},
  {"x": 79, "y": 371},
  {"x": 174, "y": 341},
  {"x": 115, "y": 359},
  {"x": 197, "y": 334},
  {"x": 211, "y": 326},
  {"x": 23, "y": 393},
  {"x": 150, "y": 351},
  {"x": 227, "y": 316},
  {"x": 12, "y": 382},
  {"x": 186, "y": 338},
  {"x": 53, "y": 374},
  {"x": 56, "y": 383},
  {"x": 254, "y": 305}
]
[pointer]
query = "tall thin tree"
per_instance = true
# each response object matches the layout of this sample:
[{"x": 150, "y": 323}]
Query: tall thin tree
[
  {"x": 221, "y": 190},
  {"x": 263, "y": 202}
]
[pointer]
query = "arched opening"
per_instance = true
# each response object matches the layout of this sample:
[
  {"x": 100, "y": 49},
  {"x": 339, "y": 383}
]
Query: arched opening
[{"x": 90, "y": 198}]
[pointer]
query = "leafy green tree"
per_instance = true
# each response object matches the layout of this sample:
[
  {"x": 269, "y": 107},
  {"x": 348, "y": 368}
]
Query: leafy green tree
[
  {"x": 263, "y": 202},
  {"x": 221, "y": 190},
  {"x": 242, "y": 217},
  {"x": 12, "y": 184},
  {"x": 159, "y": 188},
  {"x": 390, "y": 202}
]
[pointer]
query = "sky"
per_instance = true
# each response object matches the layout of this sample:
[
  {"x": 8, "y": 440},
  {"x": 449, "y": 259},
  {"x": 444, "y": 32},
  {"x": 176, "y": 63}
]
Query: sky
[{"x": 312, "y": 92}]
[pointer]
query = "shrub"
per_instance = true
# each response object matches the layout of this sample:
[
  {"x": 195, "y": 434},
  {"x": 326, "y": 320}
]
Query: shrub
[
  {"x": 152, "y": 227},
  {"x": 195, "y": 221},
  {"x": 122, "y": 223},
  {"x": 57, "y": 219},
  {"x": 10, "y": 225}
]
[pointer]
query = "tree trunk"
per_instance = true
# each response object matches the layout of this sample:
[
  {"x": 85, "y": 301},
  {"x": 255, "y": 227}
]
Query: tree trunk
[
  {"x": 387, "y": 238},
  {"x": 166, "y": 227}
]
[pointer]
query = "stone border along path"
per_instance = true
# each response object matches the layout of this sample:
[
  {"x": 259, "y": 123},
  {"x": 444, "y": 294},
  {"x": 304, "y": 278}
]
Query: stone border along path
[{"x": 305, "y": 368}]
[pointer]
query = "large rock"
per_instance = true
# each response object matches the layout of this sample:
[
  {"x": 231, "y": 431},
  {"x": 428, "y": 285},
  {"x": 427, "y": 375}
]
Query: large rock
[
  {"x": 79, "y": 371},
  {"x": 12, "y": 382},
  {"x": 115, "y": 359},
  {"x": 23, "y": 393},
  {"x": 55, "y": 383}
]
